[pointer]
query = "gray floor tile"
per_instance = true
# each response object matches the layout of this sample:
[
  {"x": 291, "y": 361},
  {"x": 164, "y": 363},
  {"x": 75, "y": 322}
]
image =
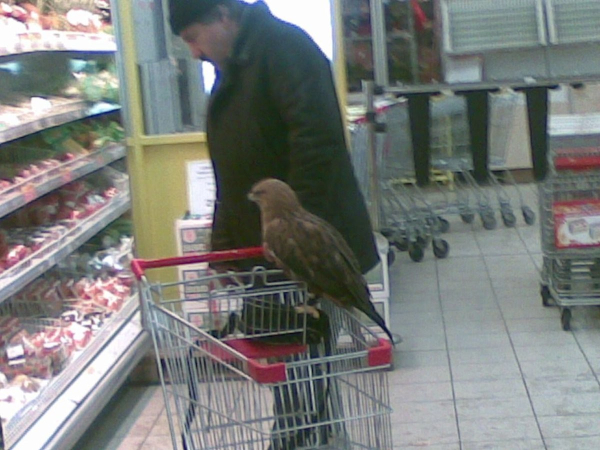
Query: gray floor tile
[
  {"x": 565, "y": 405},
  {"x": 498, "y": 356},
  {"x": 417, "y": 375},
  {"x": 423, "y": 392},
  {"x": 528, "y": 311},
  {"x": 541, "y": 338},
  {"x": 484, "y": 430},
  {"x": 529, "y": 295},
  {"x": 433, "y": 358},
  {"x": 489, "y": 389},
  {"x": 513, "y": 267},
  {"x": 472, "y": 286},
  {"x": 512, "y": 444},
  {"x": 455, "y": 446},
  {"x": 416, "y": 329},
  {"x": 582, "y": 443},
  {"x": 425, "y": 434},
  {"x": 570, "y": 426},
  {"x": 550, "y": 353},
  {"x": 462, "y": 268},
  {"x": 516, "y": 283},
  {"x": 494, "y": 408},
  {"x": 478, "y": 341},
  {"x": 529, "y": 325},
  {"x": 492, "y": 326},
  {"x": 461, "y": 301},
  {"x": 540, "y": 387},
  {"x": 561, "y": 369},
  {"x": 422, "y": 412},
  {"x": 427, "y": 319},
  {"x": 418, "y": 343},
  {"x": 500, "y": 242},
  {"x": 472, "y": 315},
  {"x": 486, "y": 372}
]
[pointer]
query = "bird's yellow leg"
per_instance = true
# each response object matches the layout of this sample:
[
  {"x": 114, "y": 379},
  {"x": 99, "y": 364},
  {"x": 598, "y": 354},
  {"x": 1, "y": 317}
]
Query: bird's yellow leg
[{"x": 307, "y": 309}]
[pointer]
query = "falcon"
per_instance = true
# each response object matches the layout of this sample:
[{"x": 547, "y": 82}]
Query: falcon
[{"x": 309, "y": 249}]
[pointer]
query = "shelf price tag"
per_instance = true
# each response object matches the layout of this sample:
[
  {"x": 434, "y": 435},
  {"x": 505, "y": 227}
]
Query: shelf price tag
[
  {"x": 29, "y": 191},
  {"x": 15, "y": 354}
]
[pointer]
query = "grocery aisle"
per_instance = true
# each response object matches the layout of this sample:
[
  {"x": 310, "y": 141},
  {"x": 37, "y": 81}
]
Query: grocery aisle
[{"x": 482, "y": 366}]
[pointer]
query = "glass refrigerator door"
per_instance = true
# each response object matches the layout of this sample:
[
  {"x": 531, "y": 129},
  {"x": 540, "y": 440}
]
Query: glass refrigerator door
[
  {"x": 412, "y": 52},
  {"x": 358, "y": 42}
]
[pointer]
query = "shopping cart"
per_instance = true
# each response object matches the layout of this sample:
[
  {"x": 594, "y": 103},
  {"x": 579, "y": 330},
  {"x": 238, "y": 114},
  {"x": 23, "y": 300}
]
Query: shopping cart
[
  {"x": 405, "y": 215},
  {"x": 263, "y": 380},
  {"x": 503, "y": 106},
  {"x": 570, "y": 215}
]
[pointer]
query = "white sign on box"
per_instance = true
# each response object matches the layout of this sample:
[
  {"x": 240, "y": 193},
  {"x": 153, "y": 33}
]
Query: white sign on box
[{"x": 201, "y": 188}]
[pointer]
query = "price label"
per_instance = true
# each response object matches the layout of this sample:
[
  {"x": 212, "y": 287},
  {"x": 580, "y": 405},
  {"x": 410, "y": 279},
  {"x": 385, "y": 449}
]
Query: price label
[
  {"x": 15, "y": 354},
  {"x": 29, "y": 192}
]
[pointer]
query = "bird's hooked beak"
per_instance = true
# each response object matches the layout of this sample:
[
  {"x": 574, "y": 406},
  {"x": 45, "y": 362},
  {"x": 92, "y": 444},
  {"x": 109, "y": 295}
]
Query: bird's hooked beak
[{"x": 252, "y": 197}]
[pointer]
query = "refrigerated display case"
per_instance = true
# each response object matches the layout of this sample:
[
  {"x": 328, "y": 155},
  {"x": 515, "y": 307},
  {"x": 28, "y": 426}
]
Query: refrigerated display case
[
  {"x": 70, "y": 325},
  {"x": 389, "y": 41}
]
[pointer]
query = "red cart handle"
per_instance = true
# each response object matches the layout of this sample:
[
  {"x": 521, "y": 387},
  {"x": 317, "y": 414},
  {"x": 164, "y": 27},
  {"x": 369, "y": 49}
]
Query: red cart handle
[{"x": 138, "y": 266}]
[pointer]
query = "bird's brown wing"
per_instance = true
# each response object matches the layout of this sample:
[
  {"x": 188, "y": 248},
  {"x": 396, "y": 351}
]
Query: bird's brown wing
[{"x": 313, "y": 251}]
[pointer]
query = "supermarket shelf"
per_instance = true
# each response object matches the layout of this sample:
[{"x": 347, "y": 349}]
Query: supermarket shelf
[
  {"x": 60, "y": 117},
  {"x": 48, "y": 40},
  {"x": 75, "y": 238},
  {"x": 359, "y": 38},
  {"x": 393, "y": 35},
  {"x": 70, "y": 403},
  {"x": 39, "y": 185}
]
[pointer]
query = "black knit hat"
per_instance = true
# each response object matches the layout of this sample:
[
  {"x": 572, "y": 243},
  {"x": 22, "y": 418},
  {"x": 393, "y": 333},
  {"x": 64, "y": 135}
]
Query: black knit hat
[{"x": 186, "y": 12}]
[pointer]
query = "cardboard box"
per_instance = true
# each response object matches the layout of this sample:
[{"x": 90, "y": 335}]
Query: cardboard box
[
  {"x": 577, "y": 223},
  {"x": 192, "y": 236}
]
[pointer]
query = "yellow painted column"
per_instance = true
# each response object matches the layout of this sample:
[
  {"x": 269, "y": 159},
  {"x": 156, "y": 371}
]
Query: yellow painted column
[{"x": 156, "y": 164}]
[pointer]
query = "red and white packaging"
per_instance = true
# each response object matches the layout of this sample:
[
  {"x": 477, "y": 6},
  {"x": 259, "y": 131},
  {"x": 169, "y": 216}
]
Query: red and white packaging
[{"x": 577, "y": 223}]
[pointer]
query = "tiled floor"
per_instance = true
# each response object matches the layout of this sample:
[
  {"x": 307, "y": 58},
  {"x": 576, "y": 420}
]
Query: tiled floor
[{"x": 482, "y": 365}]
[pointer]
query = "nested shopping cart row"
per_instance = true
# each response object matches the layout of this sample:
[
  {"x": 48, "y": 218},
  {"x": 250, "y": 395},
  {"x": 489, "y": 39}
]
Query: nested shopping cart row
[{"x": 412, "y": 217}]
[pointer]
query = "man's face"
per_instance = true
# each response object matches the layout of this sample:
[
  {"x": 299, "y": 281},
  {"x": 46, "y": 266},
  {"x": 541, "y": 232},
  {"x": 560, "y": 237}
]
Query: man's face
[{"x": 212, "y": 41}]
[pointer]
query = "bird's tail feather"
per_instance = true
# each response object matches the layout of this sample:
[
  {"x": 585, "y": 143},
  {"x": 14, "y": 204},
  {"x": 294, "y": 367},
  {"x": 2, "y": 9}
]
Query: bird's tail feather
[{"x": 375, "y": 317}]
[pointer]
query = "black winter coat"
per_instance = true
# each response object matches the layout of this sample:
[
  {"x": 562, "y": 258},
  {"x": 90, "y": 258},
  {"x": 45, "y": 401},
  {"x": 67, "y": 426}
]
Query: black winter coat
[{"x": 274, "y": 113}]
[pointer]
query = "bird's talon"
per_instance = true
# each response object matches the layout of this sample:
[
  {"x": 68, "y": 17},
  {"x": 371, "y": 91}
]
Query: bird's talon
[{"x": 307, "y": 309}]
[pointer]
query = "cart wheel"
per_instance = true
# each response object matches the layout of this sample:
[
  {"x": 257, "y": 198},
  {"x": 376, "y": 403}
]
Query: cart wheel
[
  {"x": 528, "y": 215},
  {"x": 391, "y": 257},
  {"x": 422, "y": 241},
  {"x": 467, "y": 217},
  {"x": 489, "y": 221},
  {"x": 415, "y": 251},
  {"x": 440, "y": 248},
  {"x": 546, "y": 297},
  {"x": 387, "y": 233},
  {"x": 565, "y": 319},
  {"x": 402, "y": 246},
  {"x": 444, "y": 225},
  {"x": 509, "y": 219}
]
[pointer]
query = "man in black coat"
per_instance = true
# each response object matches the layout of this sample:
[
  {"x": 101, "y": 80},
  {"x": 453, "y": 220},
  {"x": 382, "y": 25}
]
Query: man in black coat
[{"x": 273, "y": 113}]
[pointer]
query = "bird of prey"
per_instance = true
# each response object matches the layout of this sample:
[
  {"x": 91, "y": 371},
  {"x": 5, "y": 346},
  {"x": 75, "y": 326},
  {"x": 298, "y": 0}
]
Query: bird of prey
[{"x": 309, "y": 249}]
